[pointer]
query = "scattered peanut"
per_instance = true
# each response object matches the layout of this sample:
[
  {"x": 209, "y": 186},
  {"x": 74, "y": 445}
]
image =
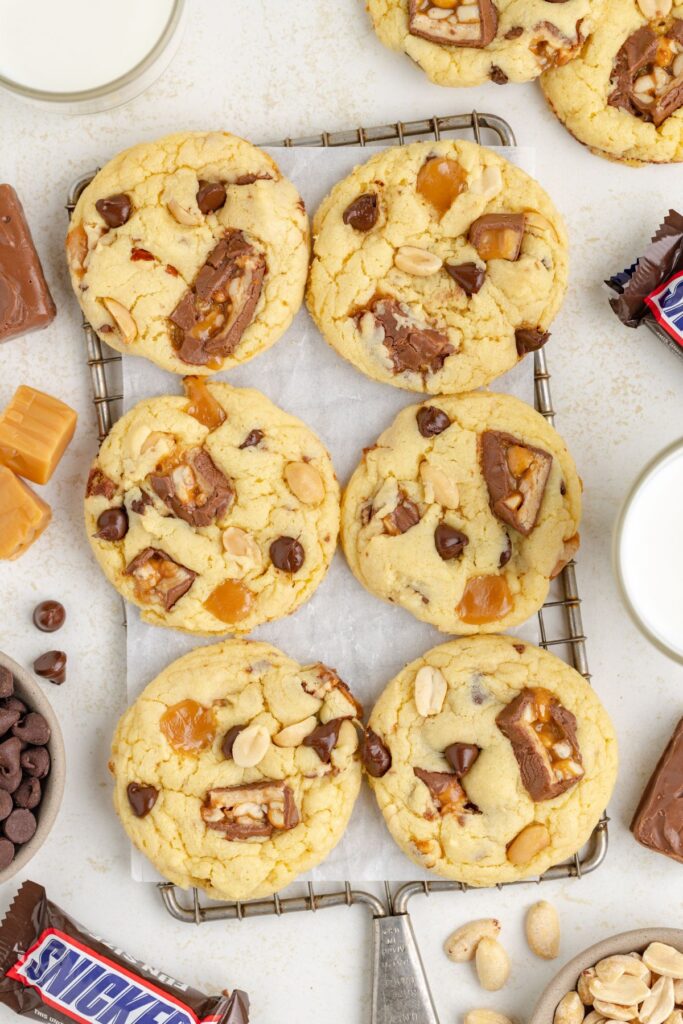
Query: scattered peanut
[
  {"x": 250, "y": 746},
  {"x": 305, "y": 482},
  {"x": 653, "y": 9},
  {"x": 492, "y": 964},
  {"x": 418, "y": 262},
  {"x": 485, "y": 1017},
  {"x": 430, "y": 691},
  {"x": 462, "y": 944},
  {"x": 583, "y": 986},
  {"x": 182, "y": 215},
  {"x": 438, "y": 486},
  {"x": 242, "y": 552},
  {"x": 528, "y": 843},
  {"x": 543, "y": 930},
  {"x": 659, "y": 1003},
  {"x": 125, "y": 324}
]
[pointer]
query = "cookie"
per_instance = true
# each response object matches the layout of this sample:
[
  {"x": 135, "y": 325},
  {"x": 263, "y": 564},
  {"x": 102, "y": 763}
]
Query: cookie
[
  {"x": 458, "y": 42},
  {"x": 213, "y": 513},
  {"x": 623, "y": 95},
  {"x": 499, "y": 760},
  {"x": 192, "y": 251},
  {"x": 437, "y": 266},
  {"x": 236, "y": 769},
  {"x": 463, "y": 511}
]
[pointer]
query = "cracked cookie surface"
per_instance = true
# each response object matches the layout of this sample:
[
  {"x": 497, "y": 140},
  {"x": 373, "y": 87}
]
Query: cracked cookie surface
[
  {"x": 462, "y": 512},
  {"x": 623, "y": 95},
  {"x": 216, "y": 524},
  {"x": 459, "y": 42},
  {"x": 192, "y": 251},
  {"x": 209, "y": 813},
  {"x": 470, "y": 837},
  {"x": 436, "y": 266}
]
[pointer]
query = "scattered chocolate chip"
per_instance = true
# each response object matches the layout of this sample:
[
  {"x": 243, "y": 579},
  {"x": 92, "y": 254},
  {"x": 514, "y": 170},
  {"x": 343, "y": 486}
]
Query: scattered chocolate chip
[
  {"x": 33, "y": 729},
  {"x": 211, "y": 195},
  {"x": 470, "y": 276},
  {"x": 530, "y": 339},
  {"x": 432, "y": 421},
  {"x": 498, "y": 76},
  {"x": 563, "y": 488},
  {"x": 52, "y": 666},
  {"x": 506, "y": 553},
  {"x": 461, "y": 757},
  {"x": 6, "y": 853},
  {"x": 6, "y": 682},
  {"x": 449, "y": 542},
  {"x": 14, "y": 704},
  {"x": 10, "y": 764},
  {"x": 8, "y": 717},
  {"x": 114, "y": 210},
  {"x": 141, "y": 798},
  {"x": 35, "y": 761},
  {"x": 20, "y": 826},
  {"x": 28, "y": 794},
  {"x": 374, "y": 754},
  {"x": 517, "y": 31},
  {"x": 362, "y": 213},
  {"x": 49, "y": 616},
  {"x": 287, "y": 554},
  {"x": 229, "y": 741},
  {"x": 520, "y": 648},
  {"x": 112, "y": 524},
  {"x": 249, "y": 179},
  {"x": 253, "y": 438},
  {"x": 141, "y": 504},
  {"x": 324, "y": 738},
  {"x": 6, "y": 803}
]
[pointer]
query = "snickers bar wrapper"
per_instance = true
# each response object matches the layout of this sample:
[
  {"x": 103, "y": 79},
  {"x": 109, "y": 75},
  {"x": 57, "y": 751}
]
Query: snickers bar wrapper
[
  {"x": 650, "y": 291},
  {"x": 55, "y": 970}
]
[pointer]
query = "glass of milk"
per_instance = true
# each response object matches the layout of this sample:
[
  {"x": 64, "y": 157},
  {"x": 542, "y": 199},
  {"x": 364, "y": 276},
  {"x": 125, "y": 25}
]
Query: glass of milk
[
  {"x": 82, "y": 56},
  {"x": 648, "y": 551}
]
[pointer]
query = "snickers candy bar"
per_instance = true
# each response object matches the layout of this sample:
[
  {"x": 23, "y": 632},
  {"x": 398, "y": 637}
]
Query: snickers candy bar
[
  {"x": 410, "y": 344},
  {"x": 55, "y": 970},
  {"x": 25, "y": 300},
  {"x": 543, "y": 737},
  {"x": 194, "y": 488},
  {"x": 516, "y": 475},
  {"x": 253, "y": 811},
  {"x": 446, "y": 28},
  {"x": 658, "y": 821}
]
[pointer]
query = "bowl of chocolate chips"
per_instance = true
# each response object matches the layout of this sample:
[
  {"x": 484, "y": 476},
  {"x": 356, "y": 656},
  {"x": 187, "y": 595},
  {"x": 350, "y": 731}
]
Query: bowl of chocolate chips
[{"x": 31, "y": 767}]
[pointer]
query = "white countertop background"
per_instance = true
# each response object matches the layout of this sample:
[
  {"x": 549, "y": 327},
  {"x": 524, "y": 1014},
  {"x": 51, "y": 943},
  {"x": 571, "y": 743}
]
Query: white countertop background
[{"x": 289, "y": 67}]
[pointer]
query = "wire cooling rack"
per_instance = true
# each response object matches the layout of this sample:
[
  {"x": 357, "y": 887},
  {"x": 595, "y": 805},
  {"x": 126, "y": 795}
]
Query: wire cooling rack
[{"x": 560, "y": 627}]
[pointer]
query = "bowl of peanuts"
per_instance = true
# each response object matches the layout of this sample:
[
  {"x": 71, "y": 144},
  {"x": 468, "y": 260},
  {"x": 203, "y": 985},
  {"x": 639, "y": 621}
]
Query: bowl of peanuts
[{"x": 634, "y": 977}]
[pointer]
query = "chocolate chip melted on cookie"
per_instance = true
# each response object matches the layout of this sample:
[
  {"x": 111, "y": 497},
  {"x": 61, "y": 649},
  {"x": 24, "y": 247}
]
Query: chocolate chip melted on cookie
[
  {"x": 516, "y": 475},
  {"x": 194, "y": 488},
  {"x": 648, "y": 73},
  {"x": 462, "y": 23},
  {"x": 254, "y": 811},
  {"x": 211, "y": 317},
  {"x": 410, "y": 344}
]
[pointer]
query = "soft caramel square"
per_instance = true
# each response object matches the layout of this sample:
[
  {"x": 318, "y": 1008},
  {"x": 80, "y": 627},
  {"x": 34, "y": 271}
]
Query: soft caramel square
[
  {"x": 35, "y": 429},
  {"x": 23, "y": 515}
]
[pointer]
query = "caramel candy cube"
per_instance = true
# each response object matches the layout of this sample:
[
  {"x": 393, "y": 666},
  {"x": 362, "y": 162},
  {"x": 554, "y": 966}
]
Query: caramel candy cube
[
  {"x": 23, "y": 515},
  {"x": 34, "y": 432}
]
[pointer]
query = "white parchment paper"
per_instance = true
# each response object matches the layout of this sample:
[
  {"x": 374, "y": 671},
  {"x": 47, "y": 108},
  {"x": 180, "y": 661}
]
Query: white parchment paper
[{"x": 366, "y": 640}]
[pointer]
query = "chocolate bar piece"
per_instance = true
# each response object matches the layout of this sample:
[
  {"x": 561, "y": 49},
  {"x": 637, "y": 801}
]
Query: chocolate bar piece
[
  {"x": 25, "y": 300},
  {"x": 658, "y": 821},
  {"x": 253, "y": 811},
  {"x": 53, "y": 969},
  {"x": 516, "y": 475},
  {"x": 477, "y": 31}
]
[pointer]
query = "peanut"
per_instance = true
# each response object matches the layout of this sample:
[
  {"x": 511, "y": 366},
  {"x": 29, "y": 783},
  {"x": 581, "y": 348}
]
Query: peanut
[
  {"x": 492, "y": 964},
  {"x": 305, "y": 482},
  {"x": 664, "y": 960},
  {"x": 125, "y": 324},
  {"x": 462, "y": 944},
  {"x": 250, "y": 746},
  {"x": 569, "y": 1010},
  {"x": 543, "y": 930},
  {"x": 418, "y": 262},
  {"x": 293, "y": 735},
  {"x": 528, "y": 843},
  {"x": 430, "y": 691}
]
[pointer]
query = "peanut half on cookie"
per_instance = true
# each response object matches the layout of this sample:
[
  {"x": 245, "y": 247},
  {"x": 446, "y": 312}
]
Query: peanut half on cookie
[
  {"x": 192, "y": 251},
  {"x": 213, "y": 512},
  {"x": 437, "y": 266},
  {"x": 463, "y": 511},
  {"x": 491, "y": 760},
  {"x": 237, "y": 769}
]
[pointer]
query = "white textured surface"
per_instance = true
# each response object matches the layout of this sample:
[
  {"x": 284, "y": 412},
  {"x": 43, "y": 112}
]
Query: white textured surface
[{"x": 268, "y": 68}]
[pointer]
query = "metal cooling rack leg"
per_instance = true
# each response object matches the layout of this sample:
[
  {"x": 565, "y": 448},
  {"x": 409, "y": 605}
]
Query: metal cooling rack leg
[{"x": 400, "y": 991}]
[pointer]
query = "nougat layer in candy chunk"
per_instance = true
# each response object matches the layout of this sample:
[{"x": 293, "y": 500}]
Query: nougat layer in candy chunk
[
  {"x": 35, "y": 430},
  {"x": 25, "y": 300},
  {"x": 23, "y": 515}
]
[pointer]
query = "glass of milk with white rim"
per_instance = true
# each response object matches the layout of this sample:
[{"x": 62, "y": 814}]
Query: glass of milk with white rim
[
  {"x": 82, "y": 56},
  {"x": 648, "y": 551}
]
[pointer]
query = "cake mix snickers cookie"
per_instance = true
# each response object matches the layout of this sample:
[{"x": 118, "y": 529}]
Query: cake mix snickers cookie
[
  {"x": 491, "y": 760},
  {"x": 467, "y": 42},
  {"x": 463, "y": 512},
  {"x": 437, "y": 266},
  {"x": 623, "y": 96},
  {"x": 237, "y": 769},
  {"x": 191, "y": 251},
  {"x": 213, "y": 513}
]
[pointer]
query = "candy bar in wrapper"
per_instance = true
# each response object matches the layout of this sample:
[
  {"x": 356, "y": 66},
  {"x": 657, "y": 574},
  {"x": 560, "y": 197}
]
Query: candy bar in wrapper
[
  {"x": 54, "y": 970},
  {"x": 651, "y": 290}
]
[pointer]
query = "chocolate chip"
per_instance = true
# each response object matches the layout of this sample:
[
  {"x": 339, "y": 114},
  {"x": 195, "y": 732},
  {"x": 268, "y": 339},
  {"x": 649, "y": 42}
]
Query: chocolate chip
[
  {"x": 114, "y": 210},
  {"x": 229, "y": 741},
  {"x": 323, "y": 739},
  {"x": 362, "y": 213},
  {"x": 6, "y": 682},
  {"x": 20, "y": 826},
  {"x": 112, "y": 524},
  {"x": 253, "y": 438},
  {"x": 461, "y": 757},
  {"x": 10, "y": 765},
  {"x": 36, "y": 762},
  {"x": 563, "y": 488},
  {"x": 449, "y": 542},
  {"x": 470, "y": 276},
  {"x": 211, "y": 195},
  {"x": 498, "y": 76},
  {"x": 374, "y": 754},
  {"x": 8, "y": 718},
  {"x": 287, "y": 554},
  {"x": 52, "y": 666},
  {"x": 506, "y": 553},
  {"x": 49, "y": 616},
  {"x": 33, "y": 729},
  {"x": 6, "y": 853},
  {"x": 141, "y": 798},
  {"x": 6, "y": 803},
  {"x": 14, "y": 704},
  {"x": 517, "y": 31},
  {"x": 432, "y": 421},
  {"x": 530, "y": 339},
  {"x": 29, "y": 793},
  {"x": 520, "y": 648}
]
